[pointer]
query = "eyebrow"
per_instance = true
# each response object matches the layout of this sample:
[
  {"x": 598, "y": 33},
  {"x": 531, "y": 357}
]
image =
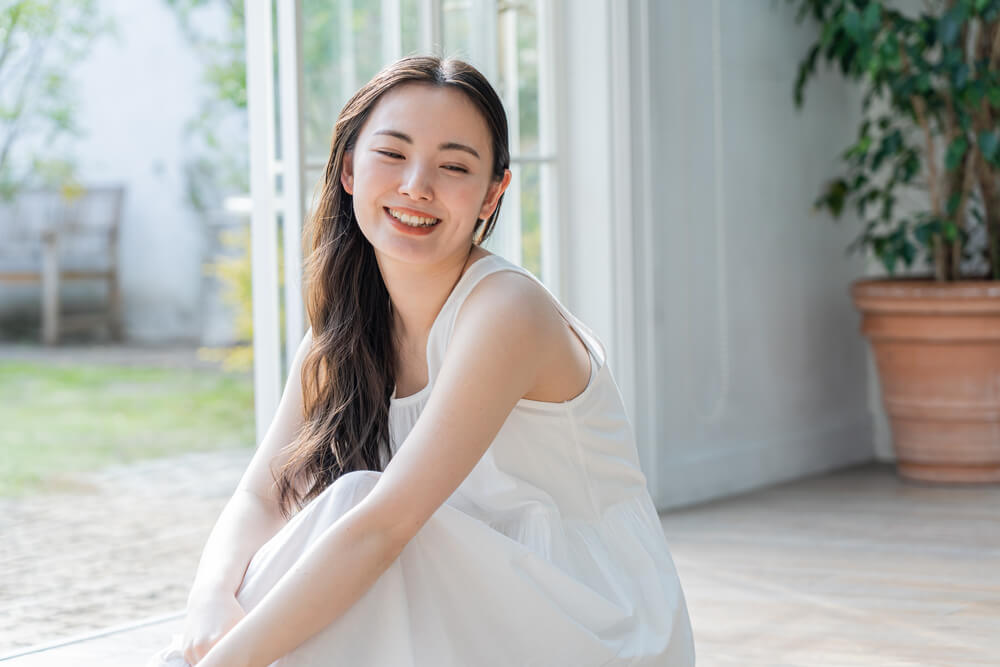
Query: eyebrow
[{"x": 447, "y": 146}]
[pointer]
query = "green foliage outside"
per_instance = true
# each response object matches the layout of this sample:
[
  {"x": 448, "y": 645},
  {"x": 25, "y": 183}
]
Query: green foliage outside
[
  {"x": 233, "y": 271},
  {"x": 220, "y": 164},
  {"x": 931, "y": 129},
  {"x": 40, "y": 41},
  {"x": 58, "y": 420},
  {"x": 218, "y": 161},
  {"x": 527, "y": 92}
]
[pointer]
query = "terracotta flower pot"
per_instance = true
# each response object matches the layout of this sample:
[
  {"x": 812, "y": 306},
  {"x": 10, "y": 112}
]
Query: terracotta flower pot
[{"x": 937, "y": 348}]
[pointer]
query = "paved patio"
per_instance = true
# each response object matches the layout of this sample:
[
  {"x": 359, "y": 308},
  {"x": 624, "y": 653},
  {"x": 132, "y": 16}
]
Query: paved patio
[
  {"x": 117, "y": 546},
  {"x": 850, "y": 568}
]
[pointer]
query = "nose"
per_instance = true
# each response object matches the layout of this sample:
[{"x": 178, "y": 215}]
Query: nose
[{"x": 416, "y": 183}]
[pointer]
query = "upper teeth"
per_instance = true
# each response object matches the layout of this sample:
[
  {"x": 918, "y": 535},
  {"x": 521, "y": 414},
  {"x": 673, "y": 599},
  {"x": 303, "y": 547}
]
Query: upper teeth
[{"x": 414, "y": 220}]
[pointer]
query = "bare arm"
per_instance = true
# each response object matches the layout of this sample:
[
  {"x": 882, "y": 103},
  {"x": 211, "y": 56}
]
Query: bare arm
[{"x": 251, "y": 517}]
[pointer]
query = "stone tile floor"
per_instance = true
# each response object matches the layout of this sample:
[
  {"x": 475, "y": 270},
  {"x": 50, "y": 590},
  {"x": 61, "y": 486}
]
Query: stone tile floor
[{"x": 123, "y": 546}]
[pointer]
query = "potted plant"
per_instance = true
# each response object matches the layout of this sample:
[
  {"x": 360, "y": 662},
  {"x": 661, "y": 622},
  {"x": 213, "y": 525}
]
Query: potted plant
[{"x": 924, "y": 179}]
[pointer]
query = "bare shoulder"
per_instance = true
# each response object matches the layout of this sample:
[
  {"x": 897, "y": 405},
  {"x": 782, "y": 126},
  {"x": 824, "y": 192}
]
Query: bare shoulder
[
  {"x": 511, "y": 301},
  {"x": 509, "y": 307}
]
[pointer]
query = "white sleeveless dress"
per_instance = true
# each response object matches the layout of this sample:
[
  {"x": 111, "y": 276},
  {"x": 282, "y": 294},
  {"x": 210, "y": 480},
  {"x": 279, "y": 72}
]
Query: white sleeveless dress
[{"x": 549, "y": 554}]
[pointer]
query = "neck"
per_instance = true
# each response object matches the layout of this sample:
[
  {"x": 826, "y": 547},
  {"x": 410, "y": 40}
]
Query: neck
[{"x": 419, "y": 292}]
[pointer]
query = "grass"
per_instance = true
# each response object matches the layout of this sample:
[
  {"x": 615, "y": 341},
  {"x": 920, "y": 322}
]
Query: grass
[{"x": 56, "y": 420}]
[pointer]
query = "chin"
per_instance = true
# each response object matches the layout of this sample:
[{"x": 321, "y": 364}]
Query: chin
[{"x": 408, "y": 251}]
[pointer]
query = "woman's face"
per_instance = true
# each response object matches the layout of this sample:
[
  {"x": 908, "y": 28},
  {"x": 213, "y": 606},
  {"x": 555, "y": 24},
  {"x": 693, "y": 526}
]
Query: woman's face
[{"x": 421, "y": 174}]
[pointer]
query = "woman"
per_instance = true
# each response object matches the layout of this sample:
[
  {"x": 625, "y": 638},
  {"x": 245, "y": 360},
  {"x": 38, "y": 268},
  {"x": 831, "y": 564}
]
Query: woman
[{"x": 466, "y": 478}]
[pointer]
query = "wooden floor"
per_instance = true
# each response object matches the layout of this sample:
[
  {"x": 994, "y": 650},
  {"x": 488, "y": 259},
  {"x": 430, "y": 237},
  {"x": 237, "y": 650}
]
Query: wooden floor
[{"x": 851, "y": 568}]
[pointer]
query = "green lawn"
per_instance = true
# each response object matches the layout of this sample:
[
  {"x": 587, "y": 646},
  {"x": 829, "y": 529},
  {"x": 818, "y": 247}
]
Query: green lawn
[{"x": 57, "y": 419}]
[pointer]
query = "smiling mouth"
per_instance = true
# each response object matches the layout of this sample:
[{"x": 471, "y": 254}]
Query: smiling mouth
[{"x": 411, "y": 220}]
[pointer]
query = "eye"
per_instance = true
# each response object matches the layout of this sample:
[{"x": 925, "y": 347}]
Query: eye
[
  {"x": 389, "y": 154},
  {"x": 455, "y": 167}
]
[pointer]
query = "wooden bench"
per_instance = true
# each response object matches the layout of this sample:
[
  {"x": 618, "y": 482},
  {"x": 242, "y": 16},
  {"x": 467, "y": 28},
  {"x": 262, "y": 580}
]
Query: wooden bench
[{"x": 49, "y": 238}]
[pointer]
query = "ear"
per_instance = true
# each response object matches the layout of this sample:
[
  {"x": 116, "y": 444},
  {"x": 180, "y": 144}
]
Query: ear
[
  {"x": 493, "y": 194},
  {"x": 347, "y": 173}
]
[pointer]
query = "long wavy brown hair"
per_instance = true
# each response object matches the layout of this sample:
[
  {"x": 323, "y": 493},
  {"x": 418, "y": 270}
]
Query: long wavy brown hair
[{"x": 349, "y": 373}]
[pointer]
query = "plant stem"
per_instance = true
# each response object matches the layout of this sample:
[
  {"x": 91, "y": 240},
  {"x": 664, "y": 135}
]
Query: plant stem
[{"x": 933, "y": 182}]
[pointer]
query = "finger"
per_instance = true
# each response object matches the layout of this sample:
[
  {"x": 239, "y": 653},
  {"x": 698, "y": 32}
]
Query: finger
[{"x": 195, "y": 653}]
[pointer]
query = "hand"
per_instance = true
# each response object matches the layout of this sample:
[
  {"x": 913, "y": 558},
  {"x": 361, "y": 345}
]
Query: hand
[{"x": 210, "y": 616}]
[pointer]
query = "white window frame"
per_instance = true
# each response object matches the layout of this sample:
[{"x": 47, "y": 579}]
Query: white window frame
[{"x": 509, "y": 234}]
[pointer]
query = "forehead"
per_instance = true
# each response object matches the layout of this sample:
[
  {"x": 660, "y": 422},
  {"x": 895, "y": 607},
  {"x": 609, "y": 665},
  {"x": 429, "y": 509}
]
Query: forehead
[{"x": 432, "y": 112}]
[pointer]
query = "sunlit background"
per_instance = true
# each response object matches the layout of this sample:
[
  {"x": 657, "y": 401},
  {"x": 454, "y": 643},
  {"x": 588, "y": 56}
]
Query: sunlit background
[{"x": 664, "y": 189}]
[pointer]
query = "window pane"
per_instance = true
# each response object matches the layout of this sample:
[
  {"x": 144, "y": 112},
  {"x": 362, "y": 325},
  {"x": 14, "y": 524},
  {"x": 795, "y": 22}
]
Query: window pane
[
  {"x": 531, "y": 230},
  {"x": 321, "y": 71},
  {"x": 518, "y": 81},
  {"x": 410, "y": 11},
  {"x": 367, "y": 24},
  {"x": 341, "y": 50},
  {"x": 455, "y": 28},
  {"x": 527, "y": 77}
]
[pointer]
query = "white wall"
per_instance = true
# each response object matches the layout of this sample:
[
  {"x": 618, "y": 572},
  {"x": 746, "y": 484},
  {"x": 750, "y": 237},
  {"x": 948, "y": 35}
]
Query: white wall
[
  {"x": 587, "y": 202},
  {"x": 723, "y": 298},
  {"x": 136, "y": 91},
  {"x": 759, "y": 369},
  {"x": 137, "y": 95}
]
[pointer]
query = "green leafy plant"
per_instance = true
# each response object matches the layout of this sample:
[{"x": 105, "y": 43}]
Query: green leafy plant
[
  {"x": 40, "y": 40},
  {"x": 217, "y": 162},
  {"x": 924, "y": 172},
  {"x": 233, "y": 271}
]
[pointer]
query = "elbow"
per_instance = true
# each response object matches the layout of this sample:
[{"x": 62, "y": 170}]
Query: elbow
[
  {"x": 386, "y": 529},
  {"x": 397, "y": 519},
  {"x": 393, "y": 518},
  {"x": 398, "y": 531}
]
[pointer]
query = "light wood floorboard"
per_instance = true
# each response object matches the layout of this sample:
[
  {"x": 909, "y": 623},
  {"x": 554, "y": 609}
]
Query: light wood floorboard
[{"x": 851, "y": 568}]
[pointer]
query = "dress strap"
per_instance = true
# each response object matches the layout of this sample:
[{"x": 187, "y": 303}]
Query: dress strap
[{"x": 441, "y": 333}]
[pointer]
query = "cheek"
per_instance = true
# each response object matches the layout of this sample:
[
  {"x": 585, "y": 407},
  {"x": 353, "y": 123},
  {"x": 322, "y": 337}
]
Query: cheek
[
  {"x": 471, "y": 195},
  {"x": 369, "y": 186},
  {"x": 366, "y": 175}
]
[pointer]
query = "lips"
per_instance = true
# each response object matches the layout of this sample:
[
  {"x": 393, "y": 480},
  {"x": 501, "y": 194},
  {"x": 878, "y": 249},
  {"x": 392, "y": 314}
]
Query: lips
[
  {"x": 413, "y": 230},
  {"x": 411, "y": 217}
]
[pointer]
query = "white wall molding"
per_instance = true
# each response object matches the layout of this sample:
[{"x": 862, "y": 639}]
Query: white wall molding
[
  {"x": 588, "y": 185},
  {"x": 646, "y": 396},
  {"x": 741, "y": 464},
  {"x": 607, "y": 196},
  {"x": 622, "y": 195}
]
